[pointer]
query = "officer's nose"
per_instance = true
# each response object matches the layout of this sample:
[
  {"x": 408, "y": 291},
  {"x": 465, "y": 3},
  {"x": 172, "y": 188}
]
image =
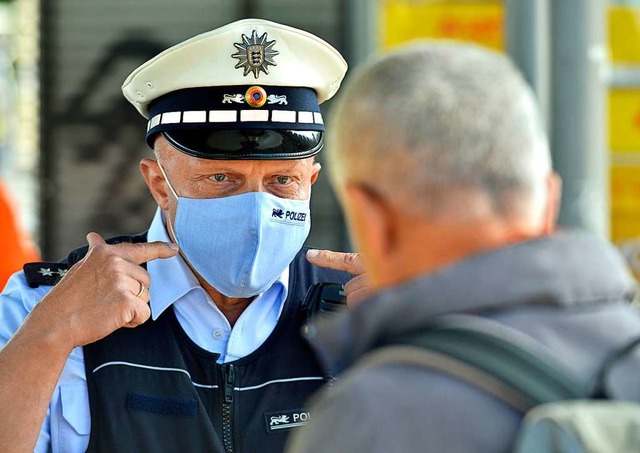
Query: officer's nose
[{"x": 255, "y": 185}]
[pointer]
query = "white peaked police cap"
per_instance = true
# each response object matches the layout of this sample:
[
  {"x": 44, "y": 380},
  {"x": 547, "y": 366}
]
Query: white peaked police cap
[{"x": 250, "y": 75}]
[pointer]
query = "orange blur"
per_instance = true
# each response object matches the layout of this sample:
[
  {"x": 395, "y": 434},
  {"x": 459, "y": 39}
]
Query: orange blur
[{"x": 15, "y": 246}]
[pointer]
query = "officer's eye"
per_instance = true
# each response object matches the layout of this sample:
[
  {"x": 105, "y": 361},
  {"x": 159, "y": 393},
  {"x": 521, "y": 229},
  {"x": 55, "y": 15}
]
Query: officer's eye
[
  {"x": 219, "y": 177},
  {"x": 283, "y": 179}
]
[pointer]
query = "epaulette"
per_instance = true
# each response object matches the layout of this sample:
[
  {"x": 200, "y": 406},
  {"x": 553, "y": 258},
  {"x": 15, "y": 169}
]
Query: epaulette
[
  {"x": 44, "y": 274},
  {"x": 50, "y": 274}
]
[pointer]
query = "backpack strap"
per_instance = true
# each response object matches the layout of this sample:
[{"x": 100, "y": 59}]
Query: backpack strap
[
  {"x": 496, "y": 358},
  {"x": 425, "y": 358},
  {"x": 600, "y": 389}
]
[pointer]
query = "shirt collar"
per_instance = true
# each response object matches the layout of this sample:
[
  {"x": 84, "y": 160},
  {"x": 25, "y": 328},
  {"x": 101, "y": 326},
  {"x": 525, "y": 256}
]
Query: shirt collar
[{"x": 171, "y": 278}]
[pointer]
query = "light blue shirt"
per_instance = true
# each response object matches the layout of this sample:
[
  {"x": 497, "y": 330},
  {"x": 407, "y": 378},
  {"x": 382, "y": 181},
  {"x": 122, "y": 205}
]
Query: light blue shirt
[{"x": 67, "y": 424}]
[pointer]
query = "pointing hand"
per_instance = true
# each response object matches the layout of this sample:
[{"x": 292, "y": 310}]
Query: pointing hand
[
  {"x": 106, "y": 290},
  {"x": 356, "y": 289}
]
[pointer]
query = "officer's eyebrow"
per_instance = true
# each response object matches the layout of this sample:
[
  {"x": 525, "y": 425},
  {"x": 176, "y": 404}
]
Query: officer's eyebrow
[
  {"x": 292, "y": 165},
  {"x": 296, "y": 171},
  {"x": 285, "y": 165}
]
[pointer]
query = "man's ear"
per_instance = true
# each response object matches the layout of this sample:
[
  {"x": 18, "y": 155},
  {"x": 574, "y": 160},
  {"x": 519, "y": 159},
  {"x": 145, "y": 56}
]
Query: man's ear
[
  {"x": 155, "y": 181},
  {"x": 315, "y": 169},
  {"x": 552, "y": 204},
  {"x": 371, "y": 223}
]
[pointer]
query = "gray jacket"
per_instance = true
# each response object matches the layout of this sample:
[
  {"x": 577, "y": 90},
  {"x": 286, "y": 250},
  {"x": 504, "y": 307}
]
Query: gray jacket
[{"x": 570, "y": 292}]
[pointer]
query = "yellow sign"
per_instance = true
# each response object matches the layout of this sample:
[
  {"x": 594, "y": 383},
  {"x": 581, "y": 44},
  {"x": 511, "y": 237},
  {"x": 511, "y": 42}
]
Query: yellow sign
[
  {"x": 625, "y": 202},
  {"x": 624, "y": 125},
  {"x": 475, "y": 21},
  {"x": 624, "y": 119},
  {"x": 624, "y": 34}
]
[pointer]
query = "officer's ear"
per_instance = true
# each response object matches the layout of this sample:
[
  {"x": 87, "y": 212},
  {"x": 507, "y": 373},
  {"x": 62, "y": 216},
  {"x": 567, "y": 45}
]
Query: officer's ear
[
  {"x": 315, "y": 172},
  {"x": 155, "y": 181}
]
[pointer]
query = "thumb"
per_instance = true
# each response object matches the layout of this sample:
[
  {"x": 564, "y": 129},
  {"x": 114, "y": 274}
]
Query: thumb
[
  {"x": 347, "y": 262},
  {"x": 94, "y": 239}
]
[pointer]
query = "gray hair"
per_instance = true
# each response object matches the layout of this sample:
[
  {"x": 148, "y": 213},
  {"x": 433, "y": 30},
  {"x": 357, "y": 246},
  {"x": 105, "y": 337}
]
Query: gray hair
[{"x": 418, "y": 124}]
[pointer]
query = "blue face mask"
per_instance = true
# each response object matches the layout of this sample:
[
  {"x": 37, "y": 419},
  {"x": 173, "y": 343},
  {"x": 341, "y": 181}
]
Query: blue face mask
[{"x": 240, "y": 244}]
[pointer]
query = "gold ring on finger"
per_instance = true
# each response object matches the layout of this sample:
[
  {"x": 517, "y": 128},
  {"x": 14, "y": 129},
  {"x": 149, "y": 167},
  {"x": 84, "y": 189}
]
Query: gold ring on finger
[{"x": 141, "y": 290}]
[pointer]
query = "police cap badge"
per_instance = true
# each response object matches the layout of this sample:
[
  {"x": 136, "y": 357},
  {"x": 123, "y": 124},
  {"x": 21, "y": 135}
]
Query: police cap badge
[{"x": 248, "y": 90}]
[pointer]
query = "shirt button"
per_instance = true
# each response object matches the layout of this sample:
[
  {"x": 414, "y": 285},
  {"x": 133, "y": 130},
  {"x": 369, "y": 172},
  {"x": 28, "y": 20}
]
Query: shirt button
[{"x": 218, "y": 334}]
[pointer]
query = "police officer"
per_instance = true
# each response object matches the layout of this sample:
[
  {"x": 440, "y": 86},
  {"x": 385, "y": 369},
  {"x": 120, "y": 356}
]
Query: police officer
[{"x": 212, "y": 293}]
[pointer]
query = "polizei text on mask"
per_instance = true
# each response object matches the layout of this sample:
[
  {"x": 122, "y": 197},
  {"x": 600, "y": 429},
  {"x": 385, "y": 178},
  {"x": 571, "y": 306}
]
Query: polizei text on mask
[{"x": 289, "y": 215}]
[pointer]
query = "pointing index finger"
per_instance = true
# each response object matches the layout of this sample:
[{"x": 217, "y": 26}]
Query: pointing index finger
[
  {"x": 144, "y": 252},
  {"x": 347, "y": 262}
]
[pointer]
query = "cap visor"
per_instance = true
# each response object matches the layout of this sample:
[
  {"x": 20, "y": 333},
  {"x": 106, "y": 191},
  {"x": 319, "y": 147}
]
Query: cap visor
[{"x": 247, "y": 144}]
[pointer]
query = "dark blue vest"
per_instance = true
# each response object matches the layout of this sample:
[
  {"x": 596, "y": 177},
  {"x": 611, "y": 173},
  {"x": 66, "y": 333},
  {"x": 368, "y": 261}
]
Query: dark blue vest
[{"x": 152, "y": 389}]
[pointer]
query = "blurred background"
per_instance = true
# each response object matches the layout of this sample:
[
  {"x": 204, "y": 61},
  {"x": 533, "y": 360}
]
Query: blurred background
[{"x": 70, "y": 144}]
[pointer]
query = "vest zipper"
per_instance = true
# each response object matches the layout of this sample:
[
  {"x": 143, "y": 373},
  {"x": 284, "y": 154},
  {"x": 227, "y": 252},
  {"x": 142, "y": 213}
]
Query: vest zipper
[{"x": 228, "y": 376}]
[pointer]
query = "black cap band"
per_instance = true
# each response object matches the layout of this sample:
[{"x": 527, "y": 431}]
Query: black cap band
[{"x": 193, "y": 119}]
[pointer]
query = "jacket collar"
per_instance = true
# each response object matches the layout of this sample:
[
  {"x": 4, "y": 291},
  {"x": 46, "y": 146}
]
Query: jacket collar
[{"x": 567, "y": 269}]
